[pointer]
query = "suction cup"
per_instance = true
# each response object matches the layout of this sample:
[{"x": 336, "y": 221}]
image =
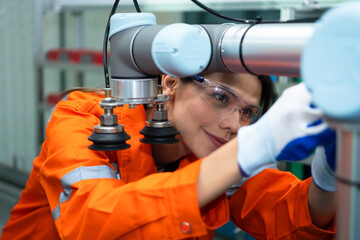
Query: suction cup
[
  {"x": 109, "y": 138},
  {"x": 159, "y": 130},
  {"x": 163, "y": 135}
]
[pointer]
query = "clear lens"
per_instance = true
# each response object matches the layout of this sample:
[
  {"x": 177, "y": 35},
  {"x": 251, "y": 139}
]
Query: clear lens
[
  {"x": 220, "y": 99},
  {"x": 225, "y": 102},
  {"x": 250, "y": 114}
]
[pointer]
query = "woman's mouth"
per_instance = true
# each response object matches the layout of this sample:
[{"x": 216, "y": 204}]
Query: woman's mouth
[{"x": 217, "y": 141}]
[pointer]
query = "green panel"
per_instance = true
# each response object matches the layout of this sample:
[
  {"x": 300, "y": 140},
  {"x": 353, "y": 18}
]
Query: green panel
[{"x": 297, "y": 169}]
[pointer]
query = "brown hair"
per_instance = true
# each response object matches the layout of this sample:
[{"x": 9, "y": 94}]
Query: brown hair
[
  {"x": 268, "y": 94},
  {"x": 82, "y": 89}
]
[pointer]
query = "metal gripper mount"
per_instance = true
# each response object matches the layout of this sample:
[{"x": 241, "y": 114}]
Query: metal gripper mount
[
  {"x": 159, "y": 130},
  {"x": 109, "y": 135}
]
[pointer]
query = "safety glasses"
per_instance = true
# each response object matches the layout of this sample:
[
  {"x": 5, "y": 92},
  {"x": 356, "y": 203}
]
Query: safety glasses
[{"x": 224, "y": 101}]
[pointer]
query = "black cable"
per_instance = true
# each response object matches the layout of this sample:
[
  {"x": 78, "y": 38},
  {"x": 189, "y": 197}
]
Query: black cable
[
  {"x": 212, "y": 11},
  {"x": 252, "y": 23},
  {"x": 258, "y": 20},
  {"x": 105, "y": 58},
  {"x": 216, "y": 13},
  {"x": 137, "y": 6},
  {"x": 106, "y": 36},
  {"x": 347, "y": 181}
]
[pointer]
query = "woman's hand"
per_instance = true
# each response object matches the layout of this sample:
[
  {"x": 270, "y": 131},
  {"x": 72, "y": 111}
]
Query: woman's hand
[{"x": 289, "y": 131}]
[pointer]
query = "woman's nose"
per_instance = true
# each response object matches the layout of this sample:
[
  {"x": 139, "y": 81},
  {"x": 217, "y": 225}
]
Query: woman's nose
[{"x": 231, "y": 121}]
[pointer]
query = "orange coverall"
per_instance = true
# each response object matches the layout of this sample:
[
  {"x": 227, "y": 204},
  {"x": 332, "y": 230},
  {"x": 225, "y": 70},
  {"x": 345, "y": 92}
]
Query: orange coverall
[{"x": 77, "y": 193}]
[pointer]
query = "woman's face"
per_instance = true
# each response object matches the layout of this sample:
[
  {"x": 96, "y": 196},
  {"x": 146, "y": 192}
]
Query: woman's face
[{"x": 202, "y": 129}]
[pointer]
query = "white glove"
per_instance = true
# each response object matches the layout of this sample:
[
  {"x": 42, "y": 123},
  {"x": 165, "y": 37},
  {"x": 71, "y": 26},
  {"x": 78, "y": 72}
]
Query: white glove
[{"x": 290, "y": 130}]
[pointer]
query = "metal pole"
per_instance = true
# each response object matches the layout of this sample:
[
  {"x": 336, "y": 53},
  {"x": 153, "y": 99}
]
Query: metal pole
[{"x": 348, "y": 188}]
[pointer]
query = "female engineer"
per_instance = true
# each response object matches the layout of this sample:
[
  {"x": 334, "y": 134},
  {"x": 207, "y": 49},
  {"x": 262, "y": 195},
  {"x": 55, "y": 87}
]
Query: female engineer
[{"x": 177, "y": 191}]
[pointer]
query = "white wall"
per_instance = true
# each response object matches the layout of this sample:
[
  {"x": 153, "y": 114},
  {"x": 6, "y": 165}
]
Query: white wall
[{"x": 17, "y": 84}]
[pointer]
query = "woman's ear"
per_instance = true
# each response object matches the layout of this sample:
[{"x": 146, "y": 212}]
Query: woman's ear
[{"x": 168, "y": 84}]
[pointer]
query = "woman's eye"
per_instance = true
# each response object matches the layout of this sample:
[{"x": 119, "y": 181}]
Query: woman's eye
[
  {"x": 221, "y": 97},
  {"x": 247, "y": 112}
]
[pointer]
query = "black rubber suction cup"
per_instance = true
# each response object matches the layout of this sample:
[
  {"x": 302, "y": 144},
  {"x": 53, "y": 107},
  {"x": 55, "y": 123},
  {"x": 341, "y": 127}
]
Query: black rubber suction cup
[
  {"x": 109, "y": 141},
  {"x": 164, "y": 135}
]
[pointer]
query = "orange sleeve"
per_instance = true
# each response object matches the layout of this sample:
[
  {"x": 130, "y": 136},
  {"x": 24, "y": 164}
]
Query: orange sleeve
[
  {"x": 87, "y": 201},
  {"x": 158, "y": 206},
  {"x": 274, "y": 205}
]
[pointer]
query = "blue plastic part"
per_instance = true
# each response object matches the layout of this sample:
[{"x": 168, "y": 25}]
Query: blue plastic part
[
  {"x": 122, "y": 21},
  {"x": 181, "y": 50},
  {"x": 330, "y": 64}
]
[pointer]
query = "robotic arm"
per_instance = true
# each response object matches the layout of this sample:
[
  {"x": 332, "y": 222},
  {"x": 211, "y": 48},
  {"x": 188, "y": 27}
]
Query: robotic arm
[{"x": 141, "y": 51}]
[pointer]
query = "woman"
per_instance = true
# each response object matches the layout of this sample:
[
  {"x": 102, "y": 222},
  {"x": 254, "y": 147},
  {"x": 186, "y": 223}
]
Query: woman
[{"x": 77, "y": 193}]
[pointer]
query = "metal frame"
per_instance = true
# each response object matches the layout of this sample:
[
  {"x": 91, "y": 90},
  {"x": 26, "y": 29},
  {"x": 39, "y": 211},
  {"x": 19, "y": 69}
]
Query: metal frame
[{"x": 187, "y": 5}]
